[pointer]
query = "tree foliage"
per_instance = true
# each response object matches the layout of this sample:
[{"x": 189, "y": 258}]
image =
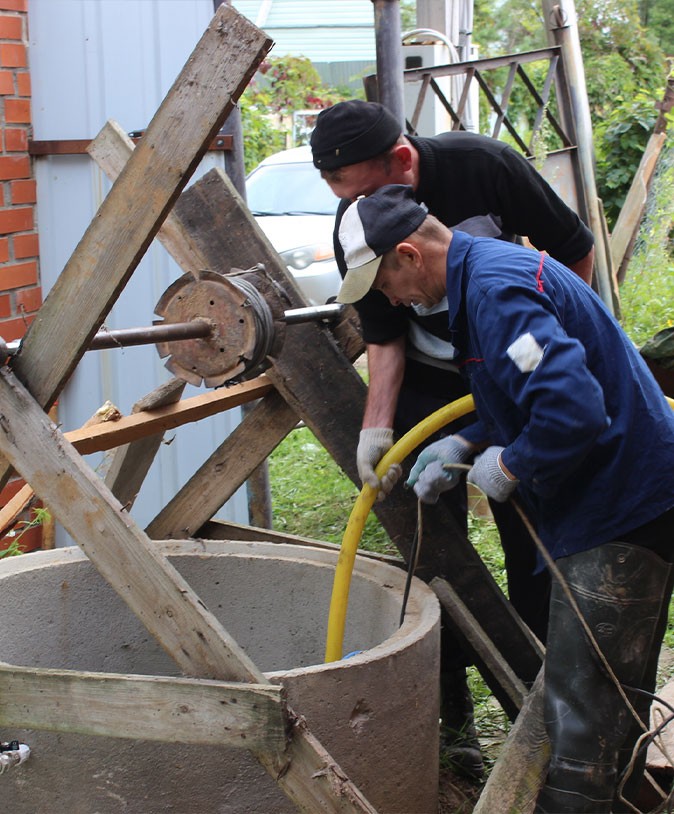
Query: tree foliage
[
  {"x": 625, "y": 70},
  {"x": 281, "y": 86}
]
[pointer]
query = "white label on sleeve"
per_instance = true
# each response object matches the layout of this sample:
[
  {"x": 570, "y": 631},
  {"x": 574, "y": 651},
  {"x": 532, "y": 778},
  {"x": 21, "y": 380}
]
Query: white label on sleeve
[{"x": 526, "y": 353}]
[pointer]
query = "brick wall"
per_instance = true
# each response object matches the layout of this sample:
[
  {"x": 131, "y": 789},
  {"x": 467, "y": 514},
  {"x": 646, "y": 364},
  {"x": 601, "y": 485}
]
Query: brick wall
[{"x": 20, "y": 292}]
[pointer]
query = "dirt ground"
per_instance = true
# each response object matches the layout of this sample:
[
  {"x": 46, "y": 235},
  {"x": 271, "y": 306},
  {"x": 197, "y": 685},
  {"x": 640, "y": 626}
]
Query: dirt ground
[{"x": 457, "y": 795}]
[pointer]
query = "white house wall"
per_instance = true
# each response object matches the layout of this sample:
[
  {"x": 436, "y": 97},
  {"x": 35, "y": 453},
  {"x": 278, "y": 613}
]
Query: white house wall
[{"x": 93, "y": 60}]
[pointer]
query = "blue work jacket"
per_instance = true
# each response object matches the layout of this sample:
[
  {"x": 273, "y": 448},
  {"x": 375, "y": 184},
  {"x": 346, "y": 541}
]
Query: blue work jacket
[{"x": 556, "y": 381}]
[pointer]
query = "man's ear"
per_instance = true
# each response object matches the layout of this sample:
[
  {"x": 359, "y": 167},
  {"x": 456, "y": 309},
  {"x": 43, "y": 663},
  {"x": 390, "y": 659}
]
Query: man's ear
[
  {"x": 403, "y": 154},
  {"x": 408, "y": 253}
]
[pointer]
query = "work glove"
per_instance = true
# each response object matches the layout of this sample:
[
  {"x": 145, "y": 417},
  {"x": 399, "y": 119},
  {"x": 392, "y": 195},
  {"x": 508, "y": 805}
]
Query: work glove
[
  {"x": 489, "y": 478},
  {"x": 373, "y": 443},
  {"x": 433, "y": 474}
]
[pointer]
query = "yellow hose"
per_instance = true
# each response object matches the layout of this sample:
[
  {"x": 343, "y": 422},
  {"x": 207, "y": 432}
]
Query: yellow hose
[{"x": 361, "y": 509}]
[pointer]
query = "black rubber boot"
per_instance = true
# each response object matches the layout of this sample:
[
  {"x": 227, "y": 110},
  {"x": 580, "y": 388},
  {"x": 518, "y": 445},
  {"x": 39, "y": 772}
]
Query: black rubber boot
[
  {"x": 583, "y": 798},
  {"x": 459, "y": 746},
  {"x": 630, "y": 787},
  {"x": 620, "y": 590}
]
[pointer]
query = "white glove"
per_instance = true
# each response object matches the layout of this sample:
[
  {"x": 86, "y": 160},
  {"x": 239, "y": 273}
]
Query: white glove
[
  {"x": 429, "y": 477},
  {"x": 373, "y": 443},
  {"x": 490, "y": 478}
]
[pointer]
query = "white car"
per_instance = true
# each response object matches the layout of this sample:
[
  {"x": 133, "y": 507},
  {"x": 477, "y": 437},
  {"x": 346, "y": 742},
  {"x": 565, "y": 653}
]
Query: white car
[{"x": 296, "y": 210}]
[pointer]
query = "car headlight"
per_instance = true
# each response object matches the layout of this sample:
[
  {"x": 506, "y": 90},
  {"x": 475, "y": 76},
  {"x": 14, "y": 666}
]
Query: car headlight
[{"x": 305, "y": 256}]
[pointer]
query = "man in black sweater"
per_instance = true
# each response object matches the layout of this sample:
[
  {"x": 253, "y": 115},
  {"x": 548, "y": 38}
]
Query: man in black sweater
[{"x": 481, "y": 186}]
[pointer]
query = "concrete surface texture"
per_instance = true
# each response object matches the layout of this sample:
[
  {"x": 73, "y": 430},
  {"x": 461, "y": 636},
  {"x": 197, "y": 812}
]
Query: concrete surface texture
[{"x": 376, "y": 712}]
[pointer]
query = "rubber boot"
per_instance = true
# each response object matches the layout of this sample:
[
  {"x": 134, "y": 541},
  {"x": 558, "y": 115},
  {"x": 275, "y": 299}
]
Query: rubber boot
[
  {"x": 459, "y": 746},
  {"x": 620, "y": 590},
  {"x": 629, "y": 788}
]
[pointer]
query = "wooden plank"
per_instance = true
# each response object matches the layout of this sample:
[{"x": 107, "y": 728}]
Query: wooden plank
[
  {"x": 111, "y": 149},
  {"x": 130, "y": 428},
  {"x": 171, "y": 710},
  {"x": 199, "y": 101},
  {"x": 131, "y": 462},
  {"x": 226, "y": 530},
  {"x": 156, "y": 593},
  {"x": 626, "y": 228},
  {"x": 489, "y": 656},
  {"x": 226, "y": 469},
  {"x": 520, "y": 771}
]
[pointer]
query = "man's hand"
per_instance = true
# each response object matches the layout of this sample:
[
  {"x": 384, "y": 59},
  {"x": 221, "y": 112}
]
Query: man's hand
[
  {"x": 433, "y": 472},
  {"x": 489, "y": 476},
  {"x": 373, "y": 443}
]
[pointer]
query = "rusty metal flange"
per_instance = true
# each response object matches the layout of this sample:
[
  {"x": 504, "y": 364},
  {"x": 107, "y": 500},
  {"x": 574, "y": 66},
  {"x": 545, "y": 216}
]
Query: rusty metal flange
[{"x": 234, "y": 340}]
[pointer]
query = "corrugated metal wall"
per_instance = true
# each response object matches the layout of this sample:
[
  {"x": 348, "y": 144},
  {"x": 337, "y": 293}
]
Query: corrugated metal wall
[{"x": 91, "y": 61}]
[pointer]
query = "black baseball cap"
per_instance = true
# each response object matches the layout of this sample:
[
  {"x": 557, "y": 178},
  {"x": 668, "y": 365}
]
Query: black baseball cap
[
  {"x": 372, "y": 226},
  {"x": 352, "y": 131}
]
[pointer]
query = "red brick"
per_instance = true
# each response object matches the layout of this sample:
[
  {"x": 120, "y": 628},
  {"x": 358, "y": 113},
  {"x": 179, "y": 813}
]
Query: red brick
[
  {"x": 4, "y": 249},
  {"x": 25, "y": 246},
  {"x": 14, "y": 166},
  {"x": 17, "y": 219},
  {"x": 2, "y": 195},
  {"x": 23, "y": 192},
  {"x": 17, "y": 111},
  {"x": 13, "y": 55},
  {"x": 7, "y": 83},
  {"x": 28, "y": 300},
  {"x": 23, "y": 86},
  {"x": 16, "y": 140},
  {"x": 5, "y": 306},
  {"x": 11, "y": 329},
  {"x": 18, "y": 275},
  {"x": 11, "y": 27},
  {"x": 14, "y": 5}
]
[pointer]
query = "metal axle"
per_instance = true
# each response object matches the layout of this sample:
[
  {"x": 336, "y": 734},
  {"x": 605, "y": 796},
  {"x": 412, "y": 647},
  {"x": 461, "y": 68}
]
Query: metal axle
[{"x": 198, "y": 328}]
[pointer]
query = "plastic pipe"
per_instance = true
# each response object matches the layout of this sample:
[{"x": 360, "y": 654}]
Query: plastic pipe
[{"x": 361, "y": 509}]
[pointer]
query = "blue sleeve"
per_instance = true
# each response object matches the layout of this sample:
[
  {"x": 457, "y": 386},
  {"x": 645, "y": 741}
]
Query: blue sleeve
[{"x": 549, "y": 391}]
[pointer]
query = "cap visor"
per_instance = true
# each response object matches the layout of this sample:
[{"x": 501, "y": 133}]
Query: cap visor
[{"x": 358, "y": 281}]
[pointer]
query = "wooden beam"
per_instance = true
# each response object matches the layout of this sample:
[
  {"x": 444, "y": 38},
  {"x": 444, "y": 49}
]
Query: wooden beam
[
  {"x": 171, "y": 710},
  {"x": 226, "y": 530},
  {"x": 491, "y": 659},
  {"x": 226, "y": 469},
  {"x": 626, "y": 229},
  {"x": 111, "y": 149},
  {"x": 132, "y": 427},
  {"x": 520, "y": 771},
  {"x": 131, "y": 462},
  {"x": 216, "y": 74}
]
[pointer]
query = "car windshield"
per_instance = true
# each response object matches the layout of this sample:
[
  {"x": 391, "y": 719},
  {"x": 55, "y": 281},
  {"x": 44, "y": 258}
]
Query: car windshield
[{"x": 289, "y": 189}]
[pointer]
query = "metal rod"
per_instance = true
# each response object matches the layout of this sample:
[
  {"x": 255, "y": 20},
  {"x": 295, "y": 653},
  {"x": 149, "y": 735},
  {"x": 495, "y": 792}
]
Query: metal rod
[{"x": 196, "y": 329}]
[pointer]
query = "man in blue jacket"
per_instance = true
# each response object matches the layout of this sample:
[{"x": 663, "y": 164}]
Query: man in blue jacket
[{"x": 571, "y": 423}]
